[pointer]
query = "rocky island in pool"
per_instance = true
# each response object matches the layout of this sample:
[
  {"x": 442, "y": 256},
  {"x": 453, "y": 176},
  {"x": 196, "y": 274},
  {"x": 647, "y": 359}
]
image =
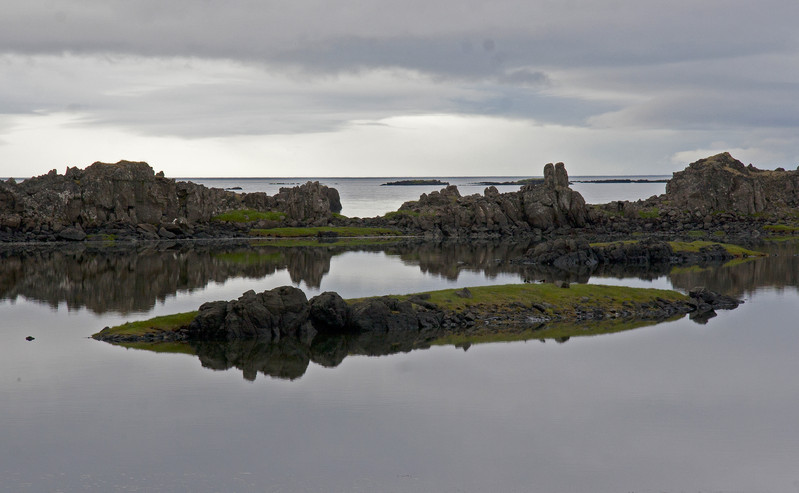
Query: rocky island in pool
[{"x": 285, "y": 312}]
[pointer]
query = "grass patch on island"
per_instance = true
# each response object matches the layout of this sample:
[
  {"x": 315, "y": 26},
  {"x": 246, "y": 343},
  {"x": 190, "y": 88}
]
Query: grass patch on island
[
  {"x": 696, "y": 246},
  {"x": 165, "y": 323},
  {"x": 343, "y": 231},
  {"x": 248, "y": 216},
  {"x": 781, "y": 228}
]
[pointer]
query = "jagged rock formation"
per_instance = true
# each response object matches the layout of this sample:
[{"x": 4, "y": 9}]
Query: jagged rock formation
[
  {"x": 537, "y": 206},
  {"x": 132, "y": 194},
  {"x": 721, "y": 183}
]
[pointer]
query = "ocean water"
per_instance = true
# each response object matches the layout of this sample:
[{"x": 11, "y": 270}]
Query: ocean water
[
  {"x": 675, "y": 407},
  {"x": 366, "y": 197}
]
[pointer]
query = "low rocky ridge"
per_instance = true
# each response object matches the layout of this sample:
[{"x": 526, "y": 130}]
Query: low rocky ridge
[
  {"x": 129, "y": 200},
  {"x": 536, "y": 207},
  {"x": 285, "y": 312}
]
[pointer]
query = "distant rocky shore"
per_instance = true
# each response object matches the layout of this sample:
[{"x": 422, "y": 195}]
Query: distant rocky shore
[{"x": 128, "y": 201}]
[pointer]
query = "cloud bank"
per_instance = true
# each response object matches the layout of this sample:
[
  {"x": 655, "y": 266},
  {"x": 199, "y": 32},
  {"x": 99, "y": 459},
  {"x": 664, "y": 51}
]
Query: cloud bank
[{"x": 246, "y": 87}]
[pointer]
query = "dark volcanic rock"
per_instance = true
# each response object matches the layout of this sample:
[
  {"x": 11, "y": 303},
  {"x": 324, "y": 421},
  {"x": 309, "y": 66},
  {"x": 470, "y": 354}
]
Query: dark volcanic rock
[
  {"x": 71, "y": 234},
  {"x": 722, "y": 183},
  {"x": 329, "y": 311},
  {"x": 268, "y": 315},
  {"x": 129, "y": 194},
  {"x": 542, "y": 205},
  {"x": 383, "y": 314}
]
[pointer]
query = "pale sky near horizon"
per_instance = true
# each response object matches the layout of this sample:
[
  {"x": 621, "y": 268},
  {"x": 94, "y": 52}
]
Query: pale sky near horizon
[{"x": 387, "y": 88}]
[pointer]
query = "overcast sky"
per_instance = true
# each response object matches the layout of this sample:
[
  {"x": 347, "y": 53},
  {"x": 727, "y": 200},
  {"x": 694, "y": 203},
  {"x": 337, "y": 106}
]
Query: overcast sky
[{"x": 397, "y": 88}]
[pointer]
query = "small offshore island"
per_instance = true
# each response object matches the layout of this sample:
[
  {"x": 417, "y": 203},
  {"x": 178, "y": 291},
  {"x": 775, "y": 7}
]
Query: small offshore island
[
  {"x": 713, "y": 199},
  {"x": 406, "y": 183}
]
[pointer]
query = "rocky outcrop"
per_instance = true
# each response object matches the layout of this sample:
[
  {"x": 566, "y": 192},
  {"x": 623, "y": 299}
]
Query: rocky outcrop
[
  {"x": 537, "y": 206},
  {"x": 131, "y": 195},
  {"x": 721, "y": 183},
  {"x": 267, "y": 316}
]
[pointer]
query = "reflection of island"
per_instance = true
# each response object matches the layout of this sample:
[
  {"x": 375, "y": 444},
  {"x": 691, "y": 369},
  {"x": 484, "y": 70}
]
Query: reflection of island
[
  {"x": 132, "y": 278},
  {"x": 737, "y": 278},
  {"x": 289, "y": 358}
]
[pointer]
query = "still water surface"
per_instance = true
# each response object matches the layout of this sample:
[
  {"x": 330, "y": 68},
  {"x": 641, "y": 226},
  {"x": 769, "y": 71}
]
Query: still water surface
[
  {"x": 367, "y": 197},
  {"x": 673, "y": 407}
]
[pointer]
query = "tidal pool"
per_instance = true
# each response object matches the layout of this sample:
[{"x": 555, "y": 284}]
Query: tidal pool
[{"x": 677, "y": 406}]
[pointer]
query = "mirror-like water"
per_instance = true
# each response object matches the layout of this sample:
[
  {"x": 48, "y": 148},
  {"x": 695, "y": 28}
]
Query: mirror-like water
[{"x": 671, "y": 407}]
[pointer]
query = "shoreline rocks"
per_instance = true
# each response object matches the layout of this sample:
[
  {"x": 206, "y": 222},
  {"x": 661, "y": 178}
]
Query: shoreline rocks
[{"x": 128, "y": 201}]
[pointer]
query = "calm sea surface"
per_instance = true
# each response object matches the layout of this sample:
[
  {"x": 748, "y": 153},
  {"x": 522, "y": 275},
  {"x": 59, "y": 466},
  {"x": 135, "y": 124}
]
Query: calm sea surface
[
  {"x": 672, "y": 407},
  {"x": 365, "y": 197}
]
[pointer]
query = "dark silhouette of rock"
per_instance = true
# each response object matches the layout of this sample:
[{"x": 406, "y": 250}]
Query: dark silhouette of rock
[
  {"x": 266, "y": 316},
  {"x": 384, "y": 314},
  {"x": 329, "y": 312}
]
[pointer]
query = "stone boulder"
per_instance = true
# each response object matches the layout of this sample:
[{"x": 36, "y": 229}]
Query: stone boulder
[
  {"x": 329, "y": 312},
  {"x": 266, "y": 316}
]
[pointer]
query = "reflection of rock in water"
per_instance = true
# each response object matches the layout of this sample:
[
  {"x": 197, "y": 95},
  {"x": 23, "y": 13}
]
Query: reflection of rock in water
[
  {"x": 130, "y": 279},
  {"x": 739, "y": 278},
  {"x": 287, "y": 359},
  {"x": 308, "y": 265},
  {"x": 448, "y": 259}
]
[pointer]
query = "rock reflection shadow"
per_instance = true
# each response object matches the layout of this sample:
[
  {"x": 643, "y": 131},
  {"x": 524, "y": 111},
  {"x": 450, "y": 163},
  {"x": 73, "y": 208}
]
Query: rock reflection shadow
[
  {"x": 289, "y": 358},
  {"x": 132, "y": 278}
]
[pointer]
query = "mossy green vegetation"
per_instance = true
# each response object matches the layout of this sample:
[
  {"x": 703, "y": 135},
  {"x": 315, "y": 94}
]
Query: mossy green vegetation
[
  {"x": 248, "y": 215},
  {"x": 401, "y": 213},
  {"x": 649, "y": 213},
  {"x": 696, "y": 246},
  {"x": 165, "y": 323},
  {"x": 342, "y": 231},
  {"x": 565, "y": 302},
  {"x": 556, "y": 331},
  {"x": 782, "y": 228}
]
